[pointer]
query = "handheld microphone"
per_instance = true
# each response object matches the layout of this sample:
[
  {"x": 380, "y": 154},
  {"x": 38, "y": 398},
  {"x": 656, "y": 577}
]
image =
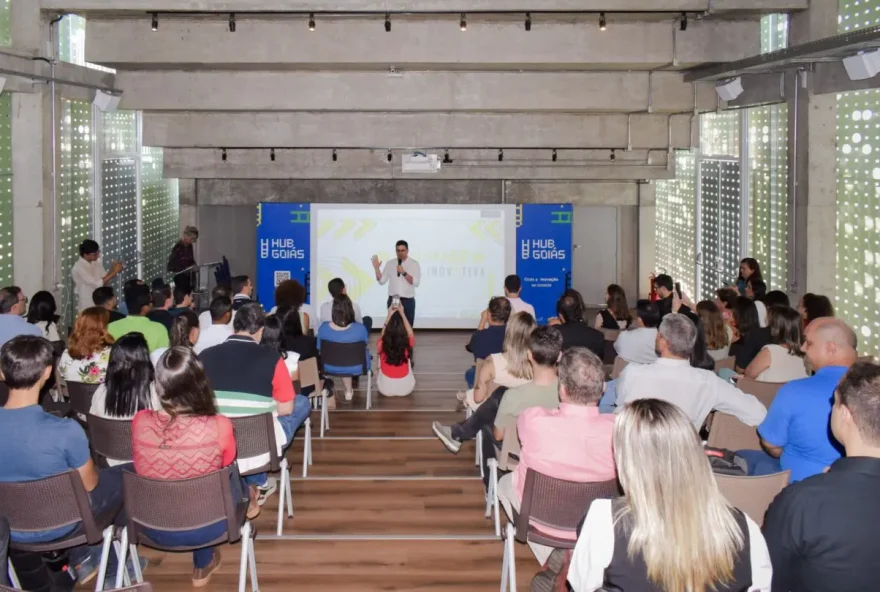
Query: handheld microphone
[{"x": 399, "y": 263}]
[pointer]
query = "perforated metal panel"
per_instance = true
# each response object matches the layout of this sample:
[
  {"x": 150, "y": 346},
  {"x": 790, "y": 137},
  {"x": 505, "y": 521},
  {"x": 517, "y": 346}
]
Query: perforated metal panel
[
  {"x": 858, "y": 14},
  {"x": 719, "y": 224},
  {"x": 774, "y": 32},
  {"x": 719, "y": 134},
  {"x": 72, "y": 39},
  {"x": 858, "y": 215},
  {"x": 75, "y": 175},
  {"x": 161, "y": 214},
  {"x": 675, "y": 222},
  {"x": 5, "y": 23},
  {"x": 5, "y": 189},
  {"x": 119, "y": 216},
  {"x": 119, "y": 134}
]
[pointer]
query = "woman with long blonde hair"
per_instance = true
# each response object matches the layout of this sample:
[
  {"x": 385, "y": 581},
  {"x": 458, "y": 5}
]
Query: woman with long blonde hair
[{"x": 673, "y": 530}]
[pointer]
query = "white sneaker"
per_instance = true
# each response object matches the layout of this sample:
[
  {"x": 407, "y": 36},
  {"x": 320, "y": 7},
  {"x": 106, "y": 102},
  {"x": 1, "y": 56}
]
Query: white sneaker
[{"x": 349, "y": 395}]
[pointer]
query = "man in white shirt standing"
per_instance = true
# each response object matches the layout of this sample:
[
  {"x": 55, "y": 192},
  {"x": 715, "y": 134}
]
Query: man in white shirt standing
[
  {"x": 672, "y": 378},
  {"x": 89, "y": 274},
  {"x": 512, "y": 290},
  {"x": 403, "y": 277},
  {"x": 336, "y": 287},
  {"x": 220, "y": 328}
]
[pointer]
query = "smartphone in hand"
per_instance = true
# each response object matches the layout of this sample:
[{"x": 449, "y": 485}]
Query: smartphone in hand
[{"x": 678, "y": 288}]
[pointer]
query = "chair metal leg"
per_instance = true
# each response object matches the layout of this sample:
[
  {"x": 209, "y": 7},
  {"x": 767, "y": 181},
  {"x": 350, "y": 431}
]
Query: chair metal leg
[
  {"x": 242, "y": 566},
  {"x": 307, "y": 445},
  {"x": 121, "y": 547},
  {"x": 511, "y": 564},
  {"x": 490, "y": 490},
  {"x": 369, "y": 389},
  {"x": 13, "y": 577},
  {"x": 478, "y": 455},
  {"x": 493, "y": 495},
  {"x": 105, "y": 557},
  {"x": 505, "y": 571},
  {"x": 252, "y": 561},
  {"x": 284, "y": 497},
  {"x": 325, "y": 423},
  {"x": 136, "y": 564}
]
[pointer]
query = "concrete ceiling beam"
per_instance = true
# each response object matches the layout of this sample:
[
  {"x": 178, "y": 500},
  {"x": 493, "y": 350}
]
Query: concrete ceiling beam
[
  {"x": 358, "y": 44},
  {"x": 414, "y": 130},
  {"x": 412, "y": 91}
]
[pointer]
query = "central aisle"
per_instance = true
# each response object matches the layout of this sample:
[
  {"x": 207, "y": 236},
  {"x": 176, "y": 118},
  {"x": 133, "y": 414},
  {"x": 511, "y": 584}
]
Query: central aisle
[{"x": 385, "y": 505}]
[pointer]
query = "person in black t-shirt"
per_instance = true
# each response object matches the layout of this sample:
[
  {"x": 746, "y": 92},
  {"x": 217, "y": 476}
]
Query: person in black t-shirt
[
  {"x": 575, "y": 332},
  {"x": 489, "y": 336},
  {"x": 105, "y": 298}
]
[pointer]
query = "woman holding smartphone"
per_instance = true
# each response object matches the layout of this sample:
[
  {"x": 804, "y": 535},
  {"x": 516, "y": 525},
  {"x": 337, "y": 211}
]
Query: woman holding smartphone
[{"x": 395, "y": 348}]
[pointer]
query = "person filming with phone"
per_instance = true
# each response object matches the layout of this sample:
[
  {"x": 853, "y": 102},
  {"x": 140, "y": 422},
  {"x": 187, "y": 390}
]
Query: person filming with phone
[
  {"x": 403, "y": 277},
  {"x": 672, "y": 299}
]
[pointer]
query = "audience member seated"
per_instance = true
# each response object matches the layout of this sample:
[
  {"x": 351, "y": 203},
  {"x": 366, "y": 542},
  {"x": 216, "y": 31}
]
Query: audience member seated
[
  {"x": 814, "y": 306},
  {"x": 42, "y": 313},
  {"x": 183, "y": 300},
  {"x": 700, "y": 357},
  {"x": 88, "y": 348},
  {"x": 782, "y": 359},
  {"x": 665, "y": 289},
  {"x": 511, "y": 367},
  {"x": 249, "y": 379},
  {"x": 795, "y": 433},
  {"x": 394, "y": 350},
  {"x": 822, "y": 532},
  {"x": 185, "y": 438},
  {"x": 756, "y": 289},
  {"x": 306, "y": 347},
  {"x": 336, "y": 287},
  {"x": 488, "y": 339},
  {"x": 220, "y": 328},
  {"x": 88, "y": 273},
  {"x": 35, "y": 445},
  {"x": 242, "y": 290},
  {"x": 748, "y": 269},
  {"x": 717, "y": 336},
  {"x": 273, "y": 338},
  {"x": 616, "y": 315},
  {"x": 673, "y": 529},
  {"x": 749, "y": 336},
  {"x": 106, "y": 299},
  {"x": 637, "y": 346},
  {"x": 512, "y": 290},
  {"x": 545, "y": 347},
  {"x": 342, "y": 328},
  {"x": 672, "y": 378},
  {"x": 219, "y": 290},
  {"x": 13, "y": 304},
  {"x": 572, "y": 442},
  {"x": 725, "y": 300},
  {"x": 184, "y": 333},
  {"x": 162, "y": 301},
  {"x": 127, "y": 288},
  {"x": 574, "y": 330},
  {"x": 292, "y": 294},
  {"x": 137, "y": 299}
]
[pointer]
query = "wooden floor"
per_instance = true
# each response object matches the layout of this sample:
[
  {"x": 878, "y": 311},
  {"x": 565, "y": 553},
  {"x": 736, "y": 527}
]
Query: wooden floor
[{"x": 385, "y": 505}]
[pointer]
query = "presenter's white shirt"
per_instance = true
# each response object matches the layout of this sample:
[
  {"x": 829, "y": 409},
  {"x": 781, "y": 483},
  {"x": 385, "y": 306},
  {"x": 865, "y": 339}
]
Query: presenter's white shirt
[
  {"x": 87, "y": 277},
  {"x": 327, "y": 313},
  {"x": 399, "y": 285},
  {"x": 520, "y": 305}
]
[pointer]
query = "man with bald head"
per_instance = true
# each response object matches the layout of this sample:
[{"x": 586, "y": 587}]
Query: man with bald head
[{"x": 795, "y": 432}]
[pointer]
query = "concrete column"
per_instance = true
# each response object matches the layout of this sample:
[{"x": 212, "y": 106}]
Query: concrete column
[
  {"x": 27, "y": 27},
  {"x": 812, "y": 166},
  {"x": 646, "y": 245}
]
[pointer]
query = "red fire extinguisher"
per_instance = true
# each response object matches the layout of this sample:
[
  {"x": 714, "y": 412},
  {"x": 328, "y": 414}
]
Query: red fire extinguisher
[{"x": 654, "y": 297}]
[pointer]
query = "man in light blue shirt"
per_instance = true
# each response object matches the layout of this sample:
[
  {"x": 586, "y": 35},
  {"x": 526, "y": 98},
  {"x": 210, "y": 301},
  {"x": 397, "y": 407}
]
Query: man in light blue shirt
[
  {"x": 795, "y": 432},
  {"x": 13, "y": 305}
]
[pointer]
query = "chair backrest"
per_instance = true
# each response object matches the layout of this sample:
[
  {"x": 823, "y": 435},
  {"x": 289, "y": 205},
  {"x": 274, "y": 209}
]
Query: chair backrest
[
  {"x": 110, "y": 438},
  {"x": 752, "y": 495},
  {"x": 81, "y": 397},
  {"x": 619, "y": 365},
  {"x": 610, "y": 334},
  {"x": 4, "y": 393},
  {"x": 58, "y": 348},
  {"x": 558, "y": 504},
  {"x": 255, "y": 436},
  {"x": 45, "y": 504},
  {"x": 729, "y": 432},
  {"x": 343, "y": 355},
  {"x": 178, "y": 505},
  {"x": 308, "y": 373},
  {"x": 728, "y": 363},
  {"x": 509, "y": 447},
  {"x": 763, "y": 391}
]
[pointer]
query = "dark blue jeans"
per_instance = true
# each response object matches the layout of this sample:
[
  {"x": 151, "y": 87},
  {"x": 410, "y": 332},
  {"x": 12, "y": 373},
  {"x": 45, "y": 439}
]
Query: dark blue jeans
[
  {"x": 289, "y": 423},
  {"x": 760, "y": 463},
  {"x": 409, "y": 309},
  {"x": 470, "y": 376}
]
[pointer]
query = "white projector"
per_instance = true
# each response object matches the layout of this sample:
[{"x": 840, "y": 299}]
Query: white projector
[
  {"x": 419, "y": 162},
  {"x": 862, "y": 65}
]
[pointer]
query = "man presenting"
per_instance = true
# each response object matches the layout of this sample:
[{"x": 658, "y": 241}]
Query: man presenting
[
  {"x": 403, "y": 277},
  {"x": 88, "y": 273}
]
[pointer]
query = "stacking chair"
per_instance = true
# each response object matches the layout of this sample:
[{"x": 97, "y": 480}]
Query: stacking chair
[
  {"x": 729, "y": 432},
  {"x": 619, "y": 365},
  {"x": 309, "y": 376},
  {"x": 752, "y": 495},
  {"x": 763, "y": 391},
  {"x": 110, "y": 438},
  {"x": 729, "y": 363},
  {"x": 255, "y": 436},
  {"x": 505, "y": 459},
  {"x": 56, "y": 502},
  {"x": 81, "y": 399},
  {"x": 145, "y": 587},
  {"x": 187, "y": 504},
  {"x": 345, "y": 355},
  {"x": 549, "y": 503},
  {"x": 478, "y": 441}
]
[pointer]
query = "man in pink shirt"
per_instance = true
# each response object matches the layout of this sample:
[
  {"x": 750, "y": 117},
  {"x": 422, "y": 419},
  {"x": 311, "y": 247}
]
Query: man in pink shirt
[{"x": 572, "y": 442}]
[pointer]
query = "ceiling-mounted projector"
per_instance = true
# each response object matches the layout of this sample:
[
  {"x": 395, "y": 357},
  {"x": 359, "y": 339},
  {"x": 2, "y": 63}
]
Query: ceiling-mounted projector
[{"x": 419, "y": 162}]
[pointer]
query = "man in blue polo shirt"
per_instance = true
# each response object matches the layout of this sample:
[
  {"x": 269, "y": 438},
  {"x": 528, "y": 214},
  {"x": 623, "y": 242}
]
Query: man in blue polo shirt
[
  {"x": 795, "y": 432},
  {"x": 488, "y": 339}
]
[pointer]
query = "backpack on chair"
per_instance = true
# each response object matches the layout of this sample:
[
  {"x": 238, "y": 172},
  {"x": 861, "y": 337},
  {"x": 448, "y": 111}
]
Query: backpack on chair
[{"x": 726, "y": 462}]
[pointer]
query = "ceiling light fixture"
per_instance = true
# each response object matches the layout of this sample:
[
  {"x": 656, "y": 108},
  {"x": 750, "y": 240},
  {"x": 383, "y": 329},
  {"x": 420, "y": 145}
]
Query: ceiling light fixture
[
  {"x": 683, "y": 25},
  {"x": 155, "y": 24},
  {"x": 500, "y": 155},
  {"x": 463, "y": 23},
  {"x": 223, "y": 155},
  {"x": 528, "y": 21},
  {"x": 446, "y": 159},
  {"x": 389, "y": 157},
  {"x": 613, "y": 155},
  {"x": 311, "y": 21},
  {"x": 232, "y": 22},
  {"x": 554, "y": 155},
  {"x": 602, "y": 23},
  {"x": 335, "y": 156},
  {"x": 272, "y": 155},
  {"x": 387, "y": 22}
]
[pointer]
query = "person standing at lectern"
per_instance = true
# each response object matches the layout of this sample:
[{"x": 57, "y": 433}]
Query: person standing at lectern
[
  {"x": 182, "y": 258},
  {"x": 403, "y": 277}
]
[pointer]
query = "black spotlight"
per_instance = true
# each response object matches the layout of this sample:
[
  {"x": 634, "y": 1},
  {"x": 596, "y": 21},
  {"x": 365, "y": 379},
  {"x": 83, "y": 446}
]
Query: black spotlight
[
  {"x": 232, "y": 22},
  {"x": 463, "y": 22},
  {"x": 335, "y": 156},
  {"x": 389, "y": 157},
  {"x": 223, "y": 155},
  {"x": 528, "y": 21},
  {"x": 272, "y": 155},
  {"x": 387, "y": 22},
  {"x": 554, "y": 155},
  {"x": 311, "y": 21},
  {"x": 602, "y": 23},
  {"x": 155, "y": 24},
  {"x": 500, "y": 155},
  {"x": 683, "y": 24},
  {"x": 446, "y": 159},
  {"x": 613, "y": 155}
]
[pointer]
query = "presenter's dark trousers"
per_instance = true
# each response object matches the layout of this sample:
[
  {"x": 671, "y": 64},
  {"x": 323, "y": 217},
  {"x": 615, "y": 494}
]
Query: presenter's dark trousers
[{"x": 409, "y": 309}]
